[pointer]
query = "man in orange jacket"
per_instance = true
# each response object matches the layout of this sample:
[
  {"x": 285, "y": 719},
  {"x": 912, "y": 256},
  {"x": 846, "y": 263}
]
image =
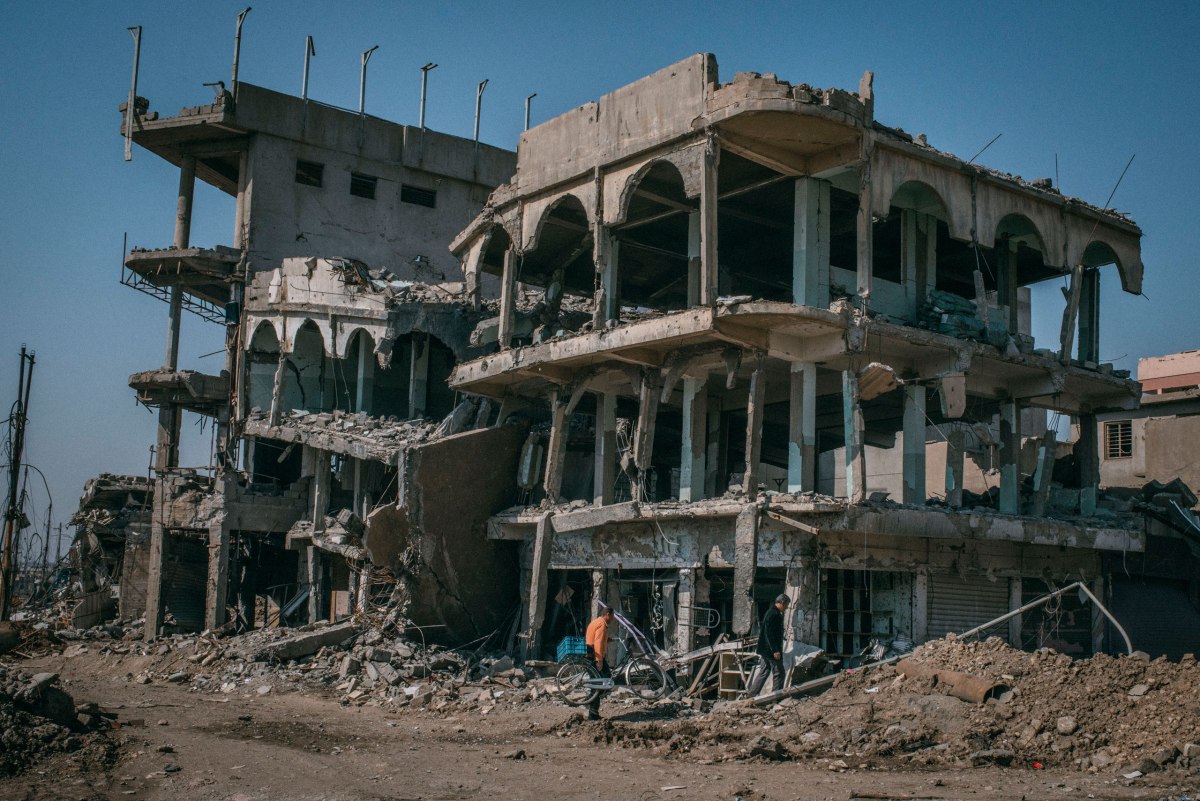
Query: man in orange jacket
[{"x": 597, "y": 645}]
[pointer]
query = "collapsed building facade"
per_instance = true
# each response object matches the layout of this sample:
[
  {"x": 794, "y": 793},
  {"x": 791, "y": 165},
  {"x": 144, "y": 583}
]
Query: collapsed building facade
[
  {"x": 761, "y": 306},
  {"x": 343, "y": 316},
  {"x": 708, "y": 343}
]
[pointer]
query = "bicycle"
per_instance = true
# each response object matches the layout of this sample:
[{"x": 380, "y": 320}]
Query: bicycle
[{"x": 578, "y": 681}]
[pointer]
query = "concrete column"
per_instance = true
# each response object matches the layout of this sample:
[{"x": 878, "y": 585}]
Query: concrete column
[
  {"x": 914, "y": 445},
  {"x": 610, "y": 275},
  {"x": 920, "y": 611},
  {"x": 418, "y": 375},
  {"x": 599, "y": 591},
  {"x": 856, "y": 466},
  {"x": 745, "y": 565},
  {"x": 700, "y": 599},
  {"x": 1089, "y": 316},
  {"x": 183, "y": 202},
  {"x": 684, "y": 619},
  {"x": 955, "y": 463},
  {"x": 605, "y": 472},
  {"x": 1099, "y": 621},
  {"x": 708, "y": 225},
  {"x": 1087, "y": 455},
  {"x": 552, "y": 482},
  {"x": 364, "y": 378},
  {"x": 802, "y": 428},
  {"x": 218, "y": 575},
  {"x": 155, "y": 566},
  {"x": 1014, "y": 602},
  {"x": 810, "y": 243},
  {"x": 695, "y": 259},
  {"x": 803, "y": 585},
  {"x": 714, "y": 478},
  {"x": 1010, "y": 457},
  {"x": 866, "y": 246},
  {"x": 320, "y": 491},
  {"x": 240, "y": 234},
  {"x": 643, "y": 436},
  {"x": 695, "y": 444},
  {"x": 538, "y": 587},
  {"x": 313, "y": 566},
  {"x": 508, "y": 299},
  {"x": 169, "y": 418},
  {"x": 277, "y": 389},
  {"x": 755, "y": 410},
  {"x": 1006, "y": 281}
]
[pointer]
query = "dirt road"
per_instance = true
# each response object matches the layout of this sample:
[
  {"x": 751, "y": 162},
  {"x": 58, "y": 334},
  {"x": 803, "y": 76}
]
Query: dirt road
[{"x": 178, "y": 744}]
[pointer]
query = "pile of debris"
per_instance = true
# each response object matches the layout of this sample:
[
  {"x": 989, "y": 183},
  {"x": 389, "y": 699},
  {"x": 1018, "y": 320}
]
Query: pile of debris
[
  {"x": 39, "y": 719},
  {"x": 1128, "y": 714}
]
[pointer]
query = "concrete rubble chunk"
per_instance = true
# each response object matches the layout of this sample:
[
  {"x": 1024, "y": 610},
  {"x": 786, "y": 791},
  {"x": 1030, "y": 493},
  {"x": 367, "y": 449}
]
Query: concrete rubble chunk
[{"x": 303, "y": 644}]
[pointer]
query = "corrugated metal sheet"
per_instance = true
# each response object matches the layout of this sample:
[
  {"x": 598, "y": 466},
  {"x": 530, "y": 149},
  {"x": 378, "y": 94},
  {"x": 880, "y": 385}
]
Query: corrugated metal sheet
[
  {"x": 957, "y": 604},
  {"x": 185, "y": 580},
  {"x": 1157, "y": 613}
]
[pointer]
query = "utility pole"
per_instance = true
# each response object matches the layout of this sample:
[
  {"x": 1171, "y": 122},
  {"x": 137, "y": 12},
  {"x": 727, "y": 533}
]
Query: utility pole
[
  {"x": 46, "y": 544},
  {"x": 12, "y": 512}
]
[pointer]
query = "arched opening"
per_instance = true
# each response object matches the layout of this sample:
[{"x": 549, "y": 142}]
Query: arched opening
[
  {"x": 563, "y": 254},
  {"x": 905, "y": 258},
  {"x": 414, "y": 384},
  {"x": 653, "y": 242},
  {"x": 304, "y": 379},
  {"x": 756, "y": 213},
  {"x": 355, "y": 374},
  {"x": 262, "y": 360}
]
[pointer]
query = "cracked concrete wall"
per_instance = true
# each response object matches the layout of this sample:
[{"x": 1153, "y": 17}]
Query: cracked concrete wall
[
  {"x": 291, "y": 219},
  {"x": 466, "y": 582}
]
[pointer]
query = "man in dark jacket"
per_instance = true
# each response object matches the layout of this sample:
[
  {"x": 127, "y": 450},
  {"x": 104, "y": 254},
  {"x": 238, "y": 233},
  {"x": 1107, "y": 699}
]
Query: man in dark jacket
[{"x": 770, "y": 649}]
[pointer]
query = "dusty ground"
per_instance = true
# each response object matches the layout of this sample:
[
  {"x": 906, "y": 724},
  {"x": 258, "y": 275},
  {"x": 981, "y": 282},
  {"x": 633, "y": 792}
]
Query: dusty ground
[{"x": 178, "y": 744}]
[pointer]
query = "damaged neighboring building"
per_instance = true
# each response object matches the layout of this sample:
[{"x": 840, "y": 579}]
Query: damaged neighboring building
[
  {"x": 112, "y": 547},
  {"x": 757, "y": 305},
  {"x": 335, "y": 489}
]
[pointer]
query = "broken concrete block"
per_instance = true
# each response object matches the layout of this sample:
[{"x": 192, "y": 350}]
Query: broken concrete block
[
  {"x": 1066, "y": 725},
  {"x": 304, "y": 644},
  {"x": 386, "y": 672},
  {"x": 374, "y": 654},
  {"x": 372, "y": 670},
  {"x": 350, "y": 667}
]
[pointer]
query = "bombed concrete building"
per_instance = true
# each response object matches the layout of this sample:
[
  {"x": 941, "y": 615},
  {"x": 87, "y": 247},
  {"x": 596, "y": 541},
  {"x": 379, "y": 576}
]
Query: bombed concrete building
[
  {"x": 344, "y": 315},
  {"x": 760, "y": 305}
]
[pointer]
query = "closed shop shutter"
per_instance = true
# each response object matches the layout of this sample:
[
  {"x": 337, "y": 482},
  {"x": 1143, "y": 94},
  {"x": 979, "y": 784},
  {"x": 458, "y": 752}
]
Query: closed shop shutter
[
  {"x": 1157, "y": 614},
  {"x": 185, "y": 580},
  {"x": 957, "y": 604}
]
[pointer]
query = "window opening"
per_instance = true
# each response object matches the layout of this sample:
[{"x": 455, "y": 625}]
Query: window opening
[
  {"x": 418, "y": 196},
  {"x": 1118, "y": 439},
  {"x": 363, "y": 185},
  {"x": 309, "y": 173}
]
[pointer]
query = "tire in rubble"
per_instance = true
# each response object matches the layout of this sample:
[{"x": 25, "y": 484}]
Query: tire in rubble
[
  {"x": 646, "y": 679},
  {"x": 570, "y": 682}
]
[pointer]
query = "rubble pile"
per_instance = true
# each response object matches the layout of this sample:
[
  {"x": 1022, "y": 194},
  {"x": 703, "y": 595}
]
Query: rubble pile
[
  {"x": 39, "y": 719},
  {"x": 1103, "y": 714}
]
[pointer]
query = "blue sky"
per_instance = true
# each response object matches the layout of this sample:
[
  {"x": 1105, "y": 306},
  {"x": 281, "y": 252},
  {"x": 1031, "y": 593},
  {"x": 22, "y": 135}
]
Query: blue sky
[{"x": 1093, "y": 83}]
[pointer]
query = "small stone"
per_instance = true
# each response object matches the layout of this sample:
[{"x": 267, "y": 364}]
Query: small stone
[
  {"x": 1138, "y": 690},
  {"x": 1066, "y": 725},
  {"x": 264, "y": 689},
  {"x": 517, "y": 754}
]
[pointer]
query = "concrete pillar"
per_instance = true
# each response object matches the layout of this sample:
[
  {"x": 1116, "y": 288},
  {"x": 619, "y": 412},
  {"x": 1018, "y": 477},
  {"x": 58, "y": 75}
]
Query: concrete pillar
[
  {"x": 684, "y": 618},
  {"x": 1099, "y": 621},
  {"x": 183, "y": 202},
  {"x": 802, "y": 428},
  {"x": 1006, "y": 281},
  {"x": 277, "y": 389},
  {"x": 745, "y": 565},
  {"x": 920, "y": 611},
  {"x": 418, "y": 375},
  {"x": 538, "y": 587},
  {"x": 701, "y": 595},
  {"x": 914, "y": 445},
  {"x": 714, "y": 476},
  {"x": 313, "y": 574},
  {"x": 955, "y": 463},
  {"x": 552, "y": 482},
  {"x": 155, "y": 565},
  {"x": 508, "y": 299},
  {"x": 643, "y": 436},
  {"x": 856, "y": 466},
  {"x": 755, "y": 410},
  {"x": 218, "y": 575},
  {"x": 865, "y": 233},
  {"x": 1087, "y": 455},
  {"x": 695, "y": 443},
  {"x": 1014, "y": 602},
  {"x": 802, "y": 584},
  {"x": 1010, "y": 457},
  {"x": 695, "y": 259},
  {"x": 605, "y": 471},
  {"x": 708, "y": 224},
  {"x": 240, "y": 234},
  {"x": 320, "y": 491},
  {"x": 599, "y": 592},
  {"x": 1044, "y": 473},
  {"x": 364, "y": 378},
  {"x": 610, "y": 275},
  {"x": 810, "y": 243},
  {"x": 1089, "y": 316}
]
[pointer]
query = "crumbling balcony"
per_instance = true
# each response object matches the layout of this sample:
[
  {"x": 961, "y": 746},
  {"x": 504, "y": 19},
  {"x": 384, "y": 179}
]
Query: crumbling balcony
[
  {"x": 204, "y": 275},
  {"x": 187, "y": 389}
]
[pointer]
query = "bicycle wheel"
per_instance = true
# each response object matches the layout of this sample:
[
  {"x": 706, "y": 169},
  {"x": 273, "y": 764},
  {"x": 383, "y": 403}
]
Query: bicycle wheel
[
  {"x": 570, "y": 681},
  {"x": 646, "y": 678}
]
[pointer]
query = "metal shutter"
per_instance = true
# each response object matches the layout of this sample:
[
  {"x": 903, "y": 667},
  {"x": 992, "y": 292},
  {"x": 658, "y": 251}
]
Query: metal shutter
[
  {"x": 1158, "y": 615},
  {"x": 957, "y": 604}
]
